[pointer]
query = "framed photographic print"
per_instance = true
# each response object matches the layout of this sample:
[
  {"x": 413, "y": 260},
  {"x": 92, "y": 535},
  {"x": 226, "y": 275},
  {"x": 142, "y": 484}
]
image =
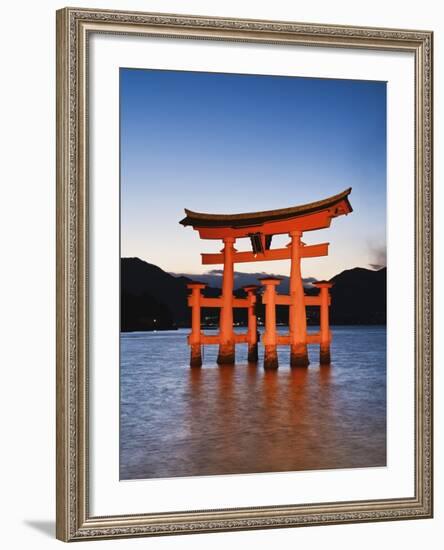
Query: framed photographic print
[{"x": 244, "y": 274}]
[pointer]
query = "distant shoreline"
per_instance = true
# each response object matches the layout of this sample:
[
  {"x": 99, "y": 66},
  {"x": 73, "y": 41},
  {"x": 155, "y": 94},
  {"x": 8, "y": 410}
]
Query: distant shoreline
[
  {"x": 154, "y": 300},
  {"x": 174, "y": 329}
]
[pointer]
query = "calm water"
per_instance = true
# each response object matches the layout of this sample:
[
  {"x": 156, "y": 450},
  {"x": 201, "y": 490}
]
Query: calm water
[{"x": 177, "y": 421}]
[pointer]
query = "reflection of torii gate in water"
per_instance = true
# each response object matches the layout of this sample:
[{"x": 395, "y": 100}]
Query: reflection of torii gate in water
[{"x": 260, "y": 227}]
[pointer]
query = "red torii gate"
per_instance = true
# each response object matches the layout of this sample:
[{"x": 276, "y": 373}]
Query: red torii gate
[{"x": 260, "y": 227}]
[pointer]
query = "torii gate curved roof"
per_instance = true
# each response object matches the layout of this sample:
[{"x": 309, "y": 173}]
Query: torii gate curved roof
[{"x": 305, "y": 217}]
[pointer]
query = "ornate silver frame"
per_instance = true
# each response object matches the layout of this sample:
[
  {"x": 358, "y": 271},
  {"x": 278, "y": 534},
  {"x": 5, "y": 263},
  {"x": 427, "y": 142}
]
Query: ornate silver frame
[{"x": 74, "y": 521}]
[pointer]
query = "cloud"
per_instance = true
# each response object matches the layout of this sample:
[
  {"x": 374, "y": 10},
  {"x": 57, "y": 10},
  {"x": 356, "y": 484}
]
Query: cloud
[
  {"x": 378, "y": 253},
  {"x": 213, "y": 278}
]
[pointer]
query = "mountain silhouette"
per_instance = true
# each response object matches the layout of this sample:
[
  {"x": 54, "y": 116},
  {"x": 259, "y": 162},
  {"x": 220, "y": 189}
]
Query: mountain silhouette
[
  {"x": 359, "y": 296},
  {"x": 146, "y": 290},
  {"x": 152, "y": 299}
]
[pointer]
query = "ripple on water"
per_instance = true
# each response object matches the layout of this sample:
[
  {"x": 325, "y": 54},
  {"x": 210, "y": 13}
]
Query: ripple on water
[{"x": 176, "y": 421}]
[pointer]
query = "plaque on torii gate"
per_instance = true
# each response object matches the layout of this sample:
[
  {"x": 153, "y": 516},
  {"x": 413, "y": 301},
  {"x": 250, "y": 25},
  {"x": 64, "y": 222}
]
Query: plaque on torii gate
[{"x": 260, "y": 227}]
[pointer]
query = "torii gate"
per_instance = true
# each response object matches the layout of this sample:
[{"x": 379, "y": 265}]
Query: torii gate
[{"x": 260, "y": 227}]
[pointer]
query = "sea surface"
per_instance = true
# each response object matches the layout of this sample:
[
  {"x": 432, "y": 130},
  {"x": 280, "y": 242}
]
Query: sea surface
[{"x": 181, "y": 421}]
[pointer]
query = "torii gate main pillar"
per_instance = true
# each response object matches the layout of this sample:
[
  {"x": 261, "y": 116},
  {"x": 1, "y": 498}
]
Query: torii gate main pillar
[
  {"x": 226, "y": 354},
  {"x": 297, "y": 314}
]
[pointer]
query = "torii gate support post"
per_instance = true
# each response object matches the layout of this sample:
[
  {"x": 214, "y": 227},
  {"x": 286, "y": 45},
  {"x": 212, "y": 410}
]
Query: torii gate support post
[
  {"x": 252, "y": 323},
  {"x": 297, "y": 313},
  {"x": 324, "y": 354},
  {"x": 194, "y": 339},
  {"x": 270, "y": 336},
  {"x": 226, "y": 354}
]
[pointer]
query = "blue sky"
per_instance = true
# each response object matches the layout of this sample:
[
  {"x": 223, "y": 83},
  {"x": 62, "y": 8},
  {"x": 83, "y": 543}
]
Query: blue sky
[{"x": 237, "y": 143}]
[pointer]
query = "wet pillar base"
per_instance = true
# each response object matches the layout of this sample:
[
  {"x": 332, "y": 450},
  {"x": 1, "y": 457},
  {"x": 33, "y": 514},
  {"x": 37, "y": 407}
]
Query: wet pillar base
[
  {"x": 196, "y": 356},
  {"x": 324, "y": 355},
  {"x": 270, "y": 357},
  {"x": 253, "y": 355},
  {"x": 226, "y": 354},
  {"x": 299, "y": 356}
]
